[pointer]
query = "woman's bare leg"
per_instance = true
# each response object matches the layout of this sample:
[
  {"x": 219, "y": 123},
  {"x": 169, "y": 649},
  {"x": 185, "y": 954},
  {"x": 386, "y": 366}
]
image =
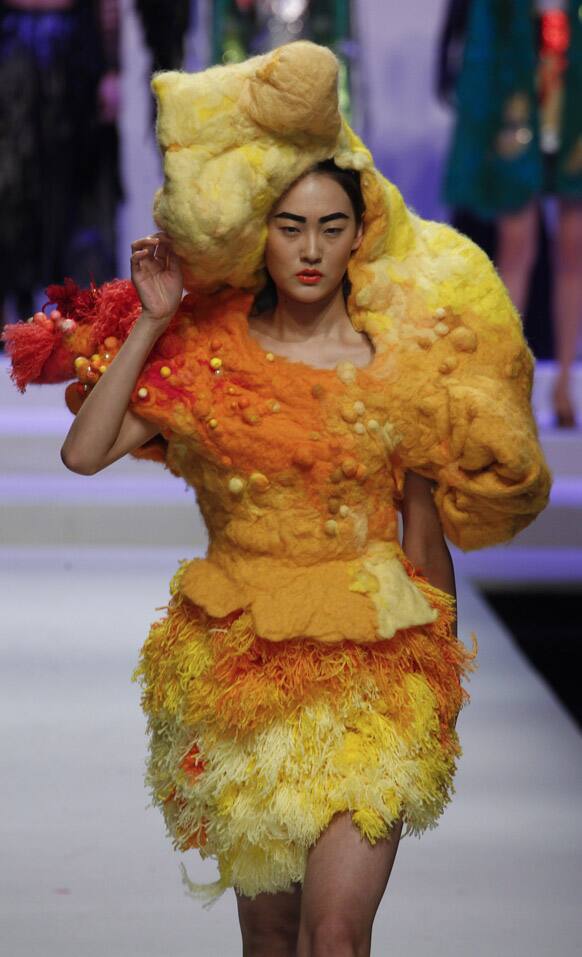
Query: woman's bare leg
[
  {"x": 516, "y": 251},
  {"x": 345, "y": 880},
  {"x": 567, "y": 303},
  {"x": 269, "y": 923}
]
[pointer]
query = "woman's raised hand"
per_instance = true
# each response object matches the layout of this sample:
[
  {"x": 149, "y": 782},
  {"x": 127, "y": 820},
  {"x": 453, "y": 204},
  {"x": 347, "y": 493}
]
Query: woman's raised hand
[{"x": 157, "y": 276}]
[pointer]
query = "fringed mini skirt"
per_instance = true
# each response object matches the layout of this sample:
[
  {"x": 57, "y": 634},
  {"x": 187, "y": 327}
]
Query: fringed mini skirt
[{"x": 255, "y": 745}]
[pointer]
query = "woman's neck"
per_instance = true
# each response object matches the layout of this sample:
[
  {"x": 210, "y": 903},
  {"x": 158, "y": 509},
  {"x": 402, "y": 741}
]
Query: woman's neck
[{"x": 293, "y": 321}]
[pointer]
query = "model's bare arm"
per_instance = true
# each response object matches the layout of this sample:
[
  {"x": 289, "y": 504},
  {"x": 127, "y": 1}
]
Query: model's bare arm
[
  {"x": 423, "y": 540},
  {"x": 104, "y": 428}
]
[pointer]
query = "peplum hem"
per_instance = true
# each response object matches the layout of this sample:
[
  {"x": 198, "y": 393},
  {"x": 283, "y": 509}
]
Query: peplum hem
[{"x": 374, "y": 595}]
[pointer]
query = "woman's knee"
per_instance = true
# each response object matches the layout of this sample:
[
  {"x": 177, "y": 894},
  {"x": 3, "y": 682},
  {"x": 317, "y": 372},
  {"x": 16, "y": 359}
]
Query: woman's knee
[
  {"x": 276, "y": 942},
  {"x": 569, "y": 238},
  {"x": 261, "y": 940},
  {"x": 334, "y": 935},
  {"x": 269, "y": 924},
  {"x": 518, "y": 239},
  {"x": 516, "y": 251}
]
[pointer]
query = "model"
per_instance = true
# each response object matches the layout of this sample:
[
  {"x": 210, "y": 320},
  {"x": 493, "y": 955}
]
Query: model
[{"x": 302, "y": 687}]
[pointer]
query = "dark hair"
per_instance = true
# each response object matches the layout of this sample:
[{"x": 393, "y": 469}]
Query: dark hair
[{"x": 349, "y": 180}]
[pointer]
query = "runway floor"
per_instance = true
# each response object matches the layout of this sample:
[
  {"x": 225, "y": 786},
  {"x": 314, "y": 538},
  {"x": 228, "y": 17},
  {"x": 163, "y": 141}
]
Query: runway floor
[{"x": 88, "y": 870}]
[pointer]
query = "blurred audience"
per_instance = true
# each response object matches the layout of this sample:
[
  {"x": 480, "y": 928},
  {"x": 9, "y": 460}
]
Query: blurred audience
[
  {"x": 165, "y": 25},
  {"x": 513, "y": 72},
  {"x": 59, "y": 176}
]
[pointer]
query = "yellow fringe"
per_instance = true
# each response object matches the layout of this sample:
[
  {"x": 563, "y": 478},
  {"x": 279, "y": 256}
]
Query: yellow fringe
[{"x": 255, "y": 746}]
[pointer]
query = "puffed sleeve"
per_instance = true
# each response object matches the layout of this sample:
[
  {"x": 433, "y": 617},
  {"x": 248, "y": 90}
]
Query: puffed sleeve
[{"x": 461, "y": 413}]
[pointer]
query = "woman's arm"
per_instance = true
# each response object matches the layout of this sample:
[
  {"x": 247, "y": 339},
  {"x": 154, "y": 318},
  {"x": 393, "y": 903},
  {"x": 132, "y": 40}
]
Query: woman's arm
[
  {"x": 104, "y": 428},
  {"x": 423, "y": 541}
]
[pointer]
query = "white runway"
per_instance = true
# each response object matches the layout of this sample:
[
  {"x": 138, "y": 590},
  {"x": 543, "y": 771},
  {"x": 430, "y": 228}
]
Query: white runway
[{"x": 88, "y": 870}]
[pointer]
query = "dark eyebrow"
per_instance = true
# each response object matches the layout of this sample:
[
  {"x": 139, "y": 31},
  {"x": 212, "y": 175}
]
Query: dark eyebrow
[
  {"x": 302, "y": 219},
  {"x": 326, "y": 219}
]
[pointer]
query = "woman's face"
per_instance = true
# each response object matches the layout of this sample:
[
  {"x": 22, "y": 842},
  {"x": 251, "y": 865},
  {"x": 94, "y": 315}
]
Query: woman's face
[{"x": 312, "y": 227}]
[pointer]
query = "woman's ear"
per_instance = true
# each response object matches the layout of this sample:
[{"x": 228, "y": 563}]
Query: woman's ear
[{"x": 358, "y": 238}]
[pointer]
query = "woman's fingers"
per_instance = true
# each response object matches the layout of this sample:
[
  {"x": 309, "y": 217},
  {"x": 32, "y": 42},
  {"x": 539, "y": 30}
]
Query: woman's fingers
[
  {"x": 158, "y": 237},
  {"x": 152, "y": 255},
  {"x": 156, "y": 250},
  {"x": 138, "y": 256},
  {"x": 156, "y": 247}
]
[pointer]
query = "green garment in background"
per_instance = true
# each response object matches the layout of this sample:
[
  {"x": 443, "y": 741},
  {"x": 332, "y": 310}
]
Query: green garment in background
[
  {"x": 239, "y": 32},
  {"x": 496, "y": 98}
]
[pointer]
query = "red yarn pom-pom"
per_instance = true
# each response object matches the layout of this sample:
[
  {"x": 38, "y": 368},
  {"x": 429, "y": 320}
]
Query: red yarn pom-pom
[{"x": 29, "y": 344}]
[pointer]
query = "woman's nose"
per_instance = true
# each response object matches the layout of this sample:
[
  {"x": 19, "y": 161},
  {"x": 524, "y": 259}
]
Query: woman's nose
[{"x": 310, "y": 250}]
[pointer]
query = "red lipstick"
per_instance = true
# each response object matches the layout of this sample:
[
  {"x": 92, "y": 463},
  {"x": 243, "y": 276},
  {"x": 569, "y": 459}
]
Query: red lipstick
[{"x": 309, "y": 276}]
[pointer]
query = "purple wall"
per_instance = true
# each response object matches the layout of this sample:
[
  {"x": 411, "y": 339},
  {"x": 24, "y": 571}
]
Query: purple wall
[{"x": 403, "y": 124}]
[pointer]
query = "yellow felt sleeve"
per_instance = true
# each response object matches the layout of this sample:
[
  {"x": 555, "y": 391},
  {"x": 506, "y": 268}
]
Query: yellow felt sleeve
[{"x": 462, "y": 409}]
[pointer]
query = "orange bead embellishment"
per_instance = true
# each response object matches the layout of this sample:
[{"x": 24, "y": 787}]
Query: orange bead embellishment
[
  {"x": 259, "y": 481},
  {"x": 251, "y": 417},
  {"x": 303, "y": 457},
  {"x": 349, "y": 467}
]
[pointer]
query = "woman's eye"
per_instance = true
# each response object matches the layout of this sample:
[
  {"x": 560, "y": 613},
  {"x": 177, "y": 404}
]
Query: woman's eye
[
  {"x": 289, "y": 229},
  {"x": 334, "y": 230}
]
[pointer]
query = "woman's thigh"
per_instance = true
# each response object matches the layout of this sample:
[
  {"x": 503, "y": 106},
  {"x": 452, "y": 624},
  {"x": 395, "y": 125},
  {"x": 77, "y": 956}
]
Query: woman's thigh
[
  {"x": 517, "y": 237},
  {"x": 345, "y": 880},
  {"x": 269, "y": 922}
]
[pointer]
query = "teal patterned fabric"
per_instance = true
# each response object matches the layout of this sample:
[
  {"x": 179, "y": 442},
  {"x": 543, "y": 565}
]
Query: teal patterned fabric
[{"x": 495, "y": 164}]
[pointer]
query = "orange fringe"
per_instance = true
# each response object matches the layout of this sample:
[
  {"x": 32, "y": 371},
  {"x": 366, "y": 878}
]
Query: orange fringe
[{"x": 241, "y": 681}]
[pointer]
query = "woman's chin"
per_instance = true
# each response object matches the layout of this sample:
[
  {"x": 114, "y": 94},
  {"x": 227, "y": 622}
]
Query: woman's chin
[{"x": 306, "y": 293}]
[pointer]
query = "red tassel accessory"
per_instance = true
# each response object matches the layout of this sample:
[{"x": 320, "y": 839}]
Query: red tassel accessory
[{"x": 29, "y": 344}]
